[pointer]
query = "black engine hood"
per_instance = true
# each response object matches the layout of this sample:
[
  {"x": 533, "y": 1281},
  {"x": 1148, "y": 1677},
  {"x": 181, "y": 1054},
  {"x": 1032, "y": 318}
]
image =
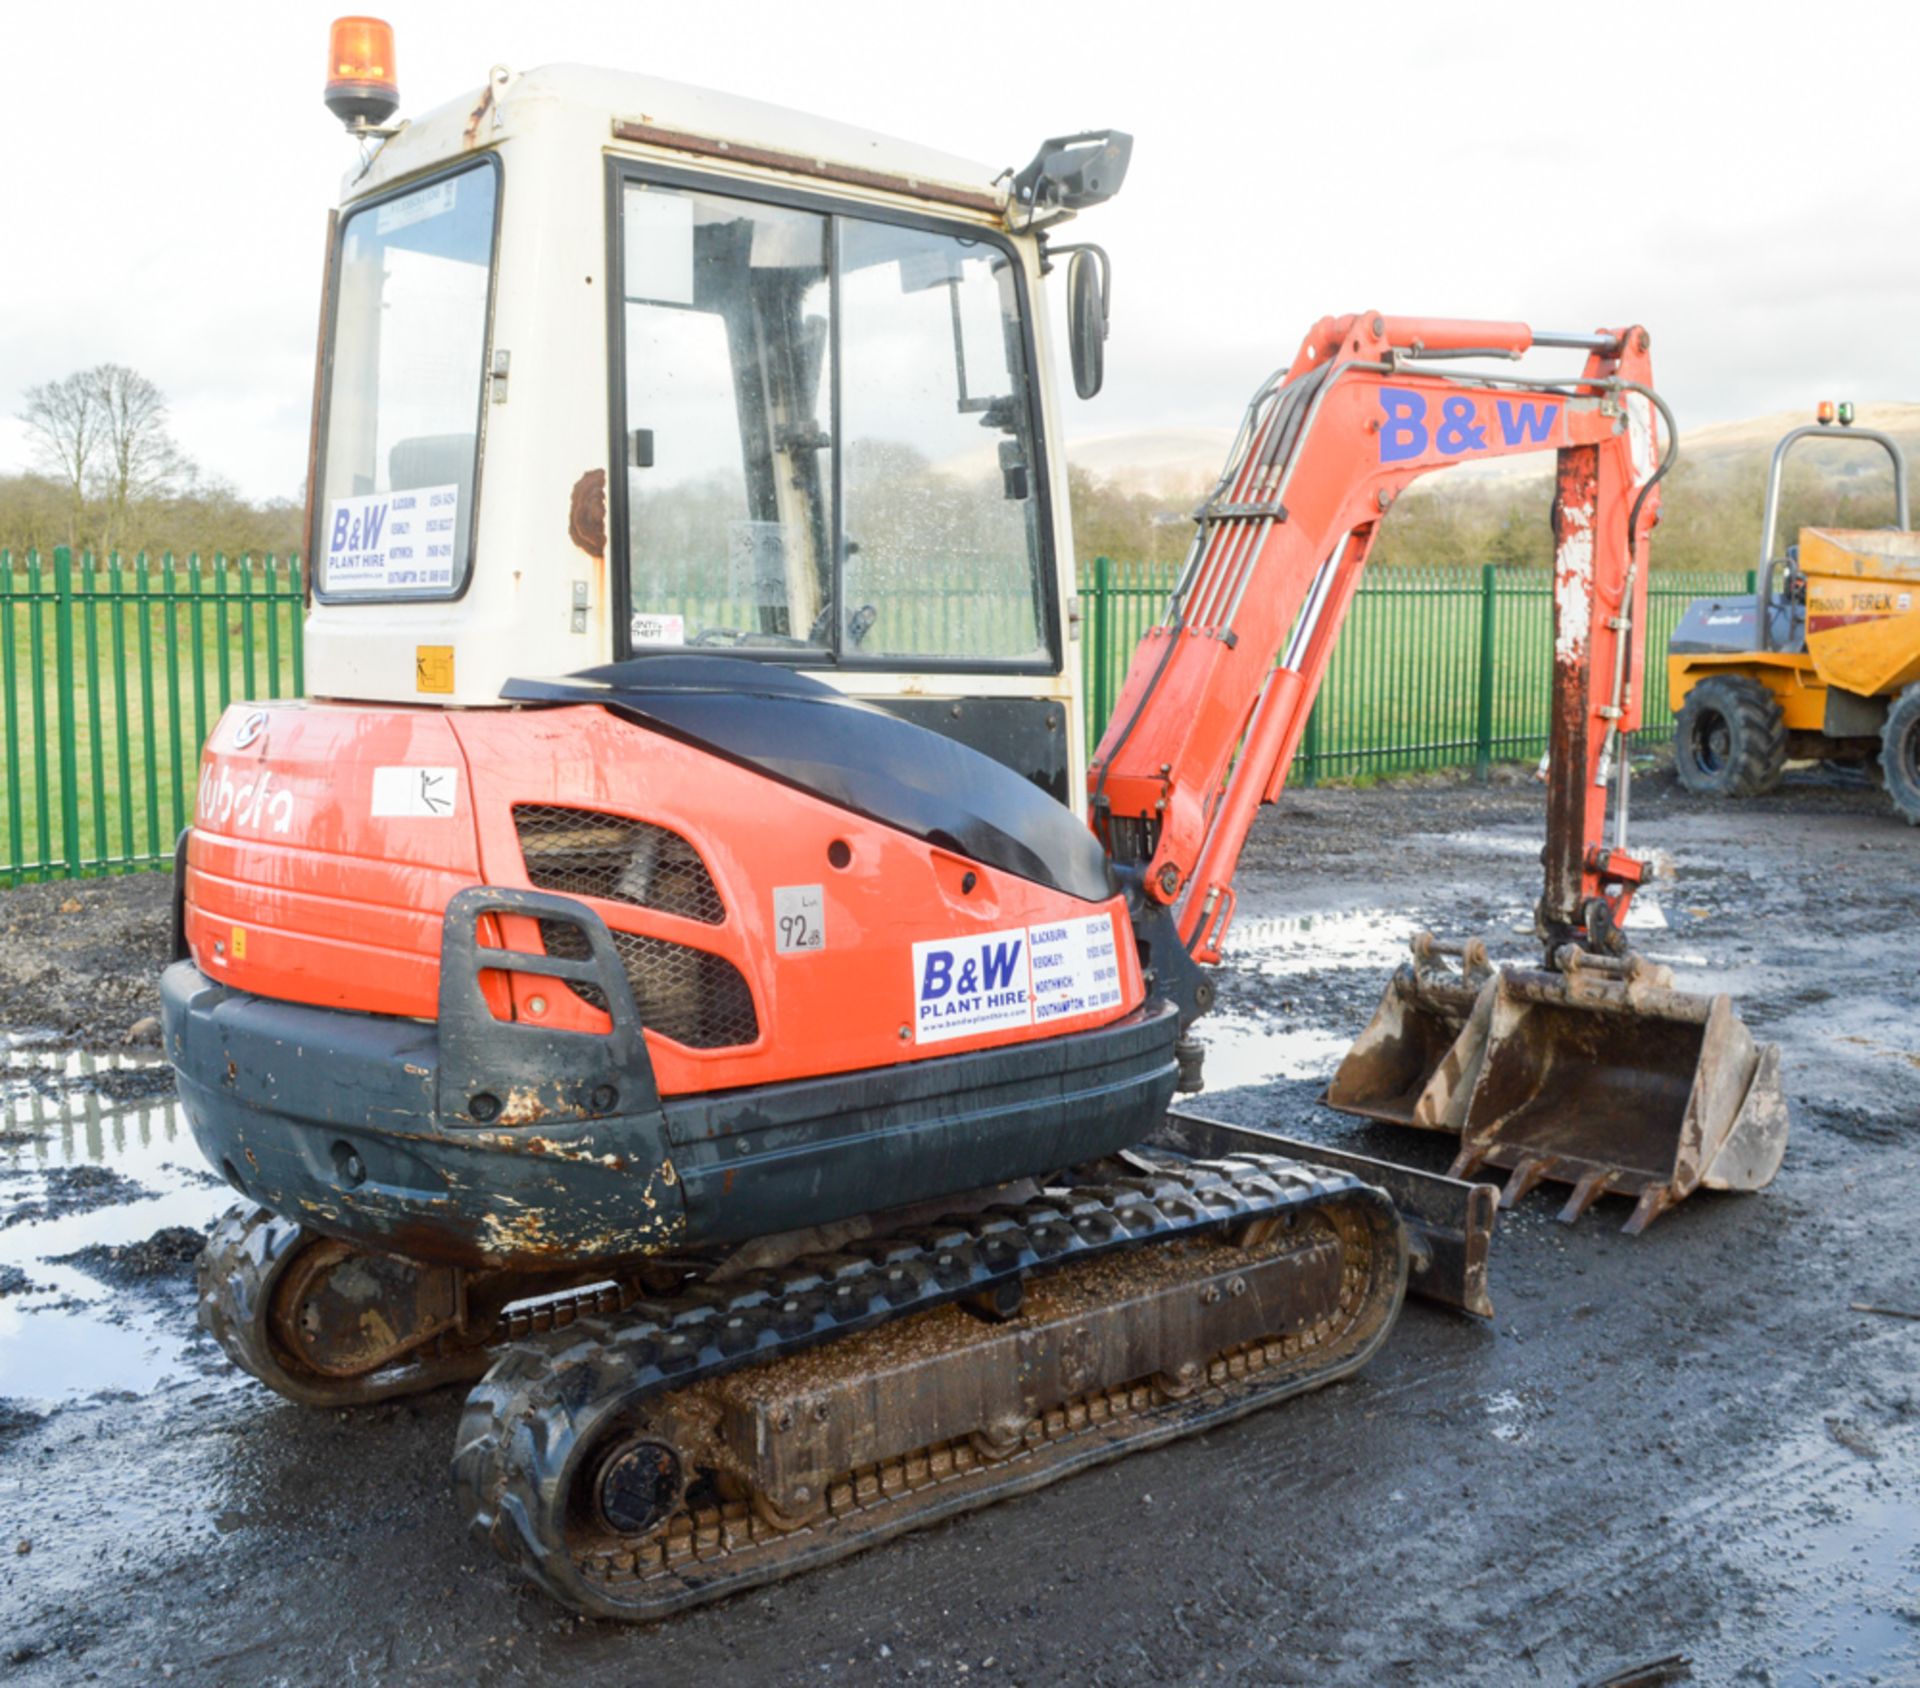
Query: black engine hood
[{"x": 799, "y": 730}]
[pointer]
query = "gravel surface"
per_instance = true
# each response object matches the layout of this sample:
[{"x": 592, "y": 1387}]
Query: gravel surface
[{"x": 1687, "y": 1442}]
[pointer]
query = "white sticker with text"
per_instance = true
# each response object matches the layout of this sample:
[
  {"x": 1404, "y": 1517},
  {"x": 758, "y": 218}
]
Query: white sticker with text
[
  {"x": 429, "y": 793},
  {"x": 968, "y": 985},
  {"x": 1023, "y": 976},
  {"x": 799, "y": 919},
  {"x": 392, "y": 541},
  {"x": 649, "y": 629},
  {"x": 1075, "y": 970},
  {"x": 417, "y": 207}
]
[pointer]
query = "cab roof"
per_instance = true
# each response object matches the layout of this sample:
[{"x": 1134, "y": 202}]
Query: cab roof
[{"x": 678, "y": 117}]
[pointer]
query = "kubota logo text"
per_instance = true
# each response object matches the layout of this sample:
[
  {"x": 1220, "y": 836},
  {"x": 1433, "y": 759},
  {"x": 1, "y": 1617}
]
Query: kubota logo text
[{"x": 252, "y": 802}]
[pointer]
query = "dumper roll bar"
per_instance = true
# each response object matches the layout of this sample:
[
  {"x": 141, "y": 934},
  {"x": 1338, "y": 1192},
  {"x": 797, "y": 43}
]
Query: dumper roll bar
[{"x": 1769, "y": 526}]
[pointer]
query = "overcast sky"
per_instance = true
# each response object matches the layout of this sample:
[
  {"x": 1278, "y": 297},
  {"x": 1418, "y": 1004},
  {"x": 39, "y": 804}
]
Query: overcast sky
[{"x": 1741, "y": 178}]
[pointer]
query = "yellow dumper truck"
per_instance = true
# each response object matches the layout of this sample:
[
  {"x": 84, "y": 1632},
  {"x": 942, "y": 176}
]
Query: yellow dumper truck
[{"x": 1826, "y": 665}]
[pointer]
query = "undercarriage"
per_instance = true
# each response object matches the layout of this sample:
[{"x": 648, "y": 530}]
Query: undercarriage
[{"x": 648, "y": 1442}]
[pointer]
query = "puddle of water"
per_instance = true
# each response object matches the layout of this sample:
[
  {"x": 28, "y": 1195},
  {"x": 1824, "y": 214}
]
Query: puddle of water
[
  {"x": 1674, "y": 958},
  {"x": 73, "y": 1334},
  {"x": 1279, "y": 948},
  {"x": 1644, "y": 914},
  {"x": 1506, "y": 1416},
  {"x": 1240, "y": 1052},
  {"x": 1847, "y": 1570},
  {"x": 1497, "y": 843}
]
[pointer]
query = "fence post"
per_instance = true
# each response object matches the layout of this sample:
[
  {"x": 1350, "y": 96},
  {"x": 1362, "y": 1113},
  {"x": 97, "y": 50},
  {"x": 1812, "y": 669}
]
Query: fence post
[
  {"x": 10, "y": 716},
  {"x": 1309, "y": 758},
  {"x": 69, "y": 715},
  {"x": 1102, "y": 619},
  {"x": 1483, "y": 725},
  {"x": 296, "y": 613}
]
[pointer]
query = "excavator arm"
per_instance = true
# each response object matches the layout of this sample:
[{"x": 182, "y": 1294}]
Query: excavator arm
[{"x": 1218, "y": 693}]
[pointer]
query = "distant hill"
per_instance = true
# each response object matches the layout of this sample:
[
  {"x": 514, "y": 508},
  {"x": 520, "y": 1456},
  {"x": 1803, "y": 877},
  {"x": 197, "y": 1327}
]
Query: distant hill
[
  {"x": 1133, "y": 489},
  {"x": 1165, "y": 461},
  {"x": 1175, "y": 460}
]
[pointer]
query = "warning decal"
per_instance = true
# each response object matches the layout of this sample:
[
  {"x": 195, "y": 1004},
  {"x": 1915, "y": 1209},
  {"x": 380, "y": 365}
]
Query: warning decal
[
  {"x": 1022, "y": 976},
  {"x": 426, "y": 793}
]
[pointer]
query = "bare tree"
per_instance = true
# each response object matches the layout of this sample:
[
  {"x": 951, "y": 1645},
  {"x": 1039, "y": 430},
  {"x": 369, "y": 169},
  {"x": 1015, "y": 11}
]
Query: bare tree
[
  {"x": 138, "y": 458},
  {"x": 103, "y": 434},
  {"x": 64, "y": 417}
]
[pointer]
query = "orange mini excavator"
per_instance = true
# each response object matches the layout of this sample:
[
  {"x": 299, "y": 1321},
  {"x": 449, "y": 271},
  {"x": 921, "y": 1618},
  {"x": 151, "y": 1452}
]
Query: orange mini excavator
[{"x": 657, "y": 973}]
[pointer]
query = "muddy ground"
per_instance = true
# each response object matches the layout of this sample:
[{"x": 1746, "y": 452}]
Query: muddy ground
[
  {"x": 81, "y": 960},
  {"x": 1682, "y": 1443}
]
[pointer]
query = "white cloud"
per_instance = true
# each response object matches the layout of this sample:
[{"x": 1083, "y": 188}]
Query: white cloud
[{"x": 1731, "y": 177}]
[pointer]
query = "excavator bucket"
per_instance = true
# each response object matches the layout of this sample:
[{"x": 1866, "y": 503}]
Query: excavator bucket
[
  {"x": 1416, "y": 1062},
  {"x": 1601, "y": 1075}
]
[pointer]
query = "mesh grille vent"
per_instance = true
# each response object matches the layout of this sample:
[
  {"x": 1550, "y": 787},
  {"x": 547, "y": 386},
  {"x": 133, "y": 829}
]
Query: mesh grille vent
[
  {"x": 624, "y": 861},
  {"x": 686, "y": 994}
]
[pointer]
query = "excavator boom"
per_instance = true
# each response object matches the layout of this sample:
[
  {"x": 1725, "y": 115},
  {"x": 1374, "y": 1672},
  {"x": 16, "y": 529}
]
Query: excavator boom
[{"x": 1218, "y": 694}]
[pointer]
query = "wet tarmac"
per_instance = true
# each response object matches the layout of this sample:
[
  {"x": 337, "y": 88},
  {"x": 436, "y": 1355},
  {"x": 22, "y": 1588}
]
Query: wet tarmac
[{"x": 1687, "y": 1443}]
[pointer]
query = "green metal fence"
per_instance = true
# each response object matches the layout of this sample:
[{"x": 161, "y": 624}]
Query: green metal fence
[
  {"x": 111, "y": 676},
  {"x": 1435, "y": 667}
]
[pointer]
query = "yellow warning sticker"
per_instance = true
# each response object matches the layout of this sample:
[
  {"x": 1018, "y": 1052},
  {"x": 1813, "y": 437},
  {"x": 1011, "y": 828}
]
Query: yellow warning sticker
[
  {"x": 239, "y": 944},
  {"x": 433, "y": 668}
]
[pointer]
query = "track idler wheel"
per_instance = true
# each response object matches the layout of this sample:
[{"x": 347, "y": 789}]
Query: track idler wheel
[{"x": 323, "y": 1323}]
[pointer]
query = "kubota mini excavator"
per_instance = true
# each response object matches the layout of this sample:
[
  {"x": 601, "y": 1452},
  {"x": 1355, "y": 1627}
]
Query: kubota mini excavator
[{"x": 657, "y": 968}]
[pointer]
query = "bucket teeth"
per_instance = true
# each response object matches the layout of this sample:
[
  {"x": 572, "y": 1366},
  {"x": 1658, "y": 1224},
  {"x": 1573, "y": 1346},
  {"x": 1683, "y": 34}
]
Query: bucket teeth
[
  {"x": 1466, "y": 1163},
  {"x": 1590, "y": 1188},
  {"x": 1527, "y": 1172},
  {"x": 1654, "y": 1201}
]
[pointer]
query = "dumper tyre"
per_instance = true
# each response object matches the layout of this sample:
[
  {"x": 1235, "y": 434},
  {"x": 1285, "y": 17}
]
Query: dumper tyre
[
  {"x": 1900, "y": 754},
  {"x": 1730, "y": 739}
]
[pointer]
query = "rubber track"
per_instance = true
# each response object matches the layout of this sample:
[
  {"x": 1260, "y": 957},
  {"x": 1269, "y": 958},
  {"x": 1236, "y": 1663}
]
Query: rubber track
[
  {"x": 242, "y": 1261},
  {"x": 537, "y": 1413}
]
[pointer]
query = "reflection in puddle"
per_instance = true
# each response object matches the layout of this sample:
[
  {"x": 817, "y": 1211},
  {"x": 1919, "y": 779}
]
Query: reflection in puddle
[
  {"x": 1644, "y": 914},
  {"x": 70, "y": 1334},
  {"x": 1515, "y": 843},
  {"x": 1278, "y": 948},
  {"x": 1241, "y": 1052}
]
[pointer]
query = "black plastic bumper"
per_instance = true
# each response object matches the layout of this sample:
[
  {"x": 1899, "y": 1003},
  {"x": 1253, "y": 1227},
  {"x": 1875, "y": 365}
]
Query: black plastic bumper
[{"x": 479, "y": 1142}]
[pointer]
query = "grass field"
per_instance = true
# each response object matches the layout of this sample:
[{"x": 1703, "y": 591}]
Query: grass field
[{"x": 109, "y": 686}]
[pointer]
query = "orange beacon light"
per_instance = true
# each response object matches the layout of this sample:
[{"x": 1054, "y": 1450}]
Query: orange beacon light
[{"x": 362, "y": 86}]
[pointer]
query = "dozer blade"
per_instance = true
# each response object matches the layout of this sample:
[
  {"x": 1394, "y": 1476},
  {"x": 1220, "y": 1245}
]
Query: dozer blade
[
  {"x": 1449, "y": 1223},
  {"x": 1602, "y": 1076},
  {"x": 1416, "y": 1062}
]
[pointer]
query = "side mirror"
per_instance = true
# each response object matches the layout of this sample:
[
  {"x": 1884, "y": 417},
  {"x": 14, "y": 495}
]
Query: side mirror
[{"x": 1088, "y": 278}]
